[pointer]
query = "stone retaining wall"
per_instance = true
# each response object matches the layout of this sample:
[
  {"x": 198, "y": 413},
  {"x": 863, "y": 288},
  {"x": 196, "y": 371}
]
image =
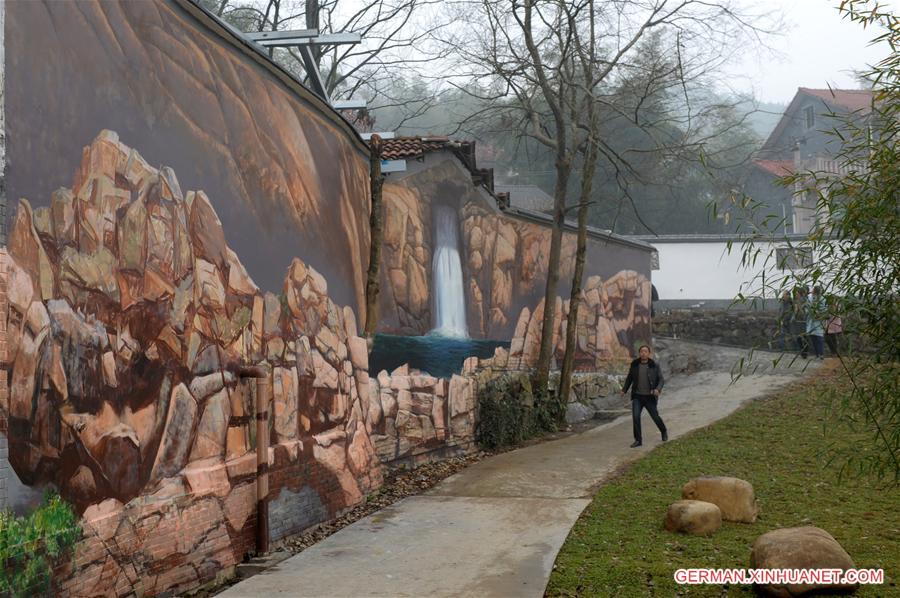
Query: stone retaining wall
[
  {"x": 746, "y": 328},
  {"x": 596, "y": 394}
]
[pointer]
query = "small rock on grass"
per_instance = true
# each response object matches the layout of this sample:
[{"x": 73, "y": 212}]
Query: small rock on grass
[{"x": 694, "y": 517}]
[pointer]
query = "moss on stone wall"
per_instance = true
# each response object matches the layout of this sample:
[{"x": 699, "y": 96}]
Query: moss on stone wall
[{"x": 510, "y": 412}]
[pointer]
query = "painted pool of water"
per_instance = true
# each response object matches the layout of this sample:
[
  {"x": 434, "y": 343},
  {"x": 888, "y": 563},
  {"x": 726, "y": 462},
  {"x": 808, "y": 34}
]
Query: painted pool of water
[{"x": 440, "y": 356}]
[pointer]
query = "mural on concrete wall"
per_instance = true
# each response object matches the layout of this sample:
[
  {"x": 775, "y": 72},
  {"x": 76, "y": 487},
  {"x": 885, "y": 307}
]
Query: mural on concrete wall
[
  {"x": 126, "y": 304},
  {"x": 185, "y": 207},
  {"x": 461, "y": 278},
  {"x": 133, "y": 284},
  {"x": 288, "y": 176}
]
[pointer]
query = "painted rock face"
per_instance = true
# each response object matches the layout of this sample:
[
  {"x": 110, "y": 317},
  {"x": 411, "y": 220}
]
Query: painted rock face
[{"x": 125, "y": 306}]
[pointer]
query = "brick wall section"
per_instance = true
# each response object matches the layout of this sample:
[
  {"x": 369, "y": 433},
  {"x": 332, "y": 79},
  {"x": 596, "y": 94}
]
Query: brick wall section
[
  {"x": 195, "y": 527},
  {"x": 166, "y": 543},
  {"x": 4, "y": 388},
  {"x": 294, "y": 505},
  {"x": 292, "y": 511}
]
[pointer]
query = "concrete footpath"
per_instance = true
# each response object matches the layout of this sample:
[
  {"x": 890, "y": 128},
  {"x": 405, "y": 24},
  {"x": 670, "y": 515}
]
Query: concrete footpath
[{"x": 495, "y": 528}]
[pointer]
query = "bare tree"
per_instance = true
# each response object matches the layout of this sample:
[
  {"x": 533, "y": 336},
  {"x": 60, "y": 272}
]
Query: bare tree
[
  {"x": 376, "y": 227},
  {"x": 586, "y": 55},
  {"x": 396, "y": 43},
  {"x": 555, "y": 68}
]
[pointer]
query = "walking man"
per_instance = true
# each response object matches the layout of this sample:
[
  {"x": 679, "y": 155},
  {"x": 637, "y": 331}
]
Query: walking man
[{"x": 646, "y": 381}]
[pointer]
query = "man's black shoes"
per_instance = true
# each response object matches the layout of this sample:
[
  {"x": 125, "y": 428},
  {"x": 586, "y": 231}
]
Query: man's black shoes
[
  {"x": 635, "y": 444},
  {"x": 665, "y": 436}
]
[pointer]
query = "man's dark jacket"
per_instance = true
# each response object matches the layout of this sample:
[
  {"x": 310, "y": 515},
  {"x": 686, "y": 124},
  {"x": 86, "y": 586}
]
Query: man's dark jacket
[{"x": 654, "y": 374}]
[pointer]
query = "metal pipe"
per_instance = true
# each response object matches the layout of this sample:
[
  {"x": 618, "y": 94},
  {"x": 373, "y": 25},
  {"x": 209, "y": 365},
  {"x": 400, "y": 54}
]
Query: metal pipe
[
  {"x": 247, "y": 371},
  {"x": 263, "y": 392}
]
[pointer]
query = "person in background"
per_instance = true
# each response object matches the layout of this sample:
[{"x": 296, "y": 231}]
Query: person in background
[
  {"x": 785, "y": 320},
  {"x": 646, "y": 381},
  {"x": 815, "y": 327},
  {"x": 798, "y": 324},
  {"x": 833, "y": 329}
]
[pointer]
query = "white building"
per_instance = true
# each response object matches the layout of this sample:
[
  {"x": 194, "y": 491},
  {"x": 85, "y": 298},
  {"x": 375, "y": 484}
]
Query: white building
[{"x": 709, "y": 270}]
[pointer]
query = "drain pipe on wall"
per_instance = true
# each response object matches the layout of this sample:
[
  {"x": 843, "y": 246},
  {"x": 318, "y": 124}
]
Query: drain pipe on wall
[
  {"x": 263, "y": 393},
  {"x": 263, "y": 396}
]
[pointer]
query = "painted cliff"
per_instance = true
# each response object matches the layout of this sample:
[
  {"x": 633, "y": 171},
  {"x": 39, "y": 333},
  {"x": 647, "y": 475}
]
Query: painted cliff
[
  {"x": 126, "y": 305},
  {"x": 183, "y": 205},
  {"x": 288, "y": 175},
  {"x": 504, "y": 259}
]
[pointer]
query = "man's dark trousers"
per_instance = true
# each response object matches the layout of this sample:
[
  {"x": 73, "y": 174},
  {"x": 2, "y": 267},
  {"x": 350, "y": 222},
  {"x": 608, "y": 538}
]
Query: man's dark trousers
[{"x": 638, "y": 404}]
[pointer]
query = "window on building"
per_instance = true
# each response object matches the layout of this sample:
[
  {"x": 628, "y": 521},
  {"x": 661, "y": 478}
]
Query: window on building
[
  {"x": 793, "y": 258},
  {"x": 810, "y": 113}
]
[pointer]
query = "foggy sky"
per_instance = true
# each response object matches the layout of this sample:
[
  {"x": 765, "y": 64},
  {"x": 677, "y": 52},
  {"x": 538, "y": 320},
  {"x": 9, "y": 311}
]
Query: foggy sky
[{"x": 816, "y": 48}]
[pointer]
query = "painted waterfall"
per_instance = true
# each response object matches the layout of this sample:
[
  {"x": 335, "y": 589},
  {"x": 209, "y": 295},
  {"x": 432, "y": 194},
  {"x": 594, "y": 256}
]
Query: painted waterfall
[{"x": 449, "y": 297}]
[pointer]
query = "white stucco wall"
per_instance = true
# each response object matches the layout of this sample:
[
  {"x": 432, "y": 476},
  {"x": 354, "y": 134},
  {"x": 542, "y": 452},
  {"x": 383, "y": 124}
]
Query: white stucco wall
[{"x": 700, "y": 271}]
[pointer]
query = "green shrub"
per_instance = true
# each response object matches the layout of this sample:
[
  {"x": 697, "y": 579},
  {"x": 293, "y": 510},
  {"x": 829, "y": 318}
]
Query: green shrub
[
  {"x": 31, "y": 545},
  {"x": 510, "y": 412}
]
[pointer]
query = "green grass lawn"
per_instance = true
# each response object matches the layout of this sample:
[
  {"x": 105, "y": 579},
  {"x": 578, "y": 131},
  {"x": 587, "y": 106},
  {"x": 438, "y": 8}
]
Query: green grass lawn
[{"x": 619, "y": 547}]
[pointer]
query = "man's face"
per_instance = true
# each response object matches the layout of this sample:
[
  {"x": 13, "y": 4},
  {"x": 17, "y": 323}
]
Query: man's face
[{"x": 644, "y": 353}]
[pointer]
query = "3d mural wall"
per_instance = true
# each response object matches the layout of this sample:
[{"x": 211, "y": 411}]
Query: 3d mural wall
[
  {"x": 125, "y": 306},
  {"x": 455, "y": 264},
  {"x": 181, "y": 206}
]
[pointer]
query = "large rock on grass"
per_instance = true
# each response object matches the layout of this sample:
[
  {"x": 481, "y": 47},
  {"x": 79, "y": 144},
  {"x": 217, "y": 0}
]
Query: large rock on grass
[
  {"x": 733, "y": 496},
  {"x": 694, "y": 517},
  {"x": 800, "y": 548}
]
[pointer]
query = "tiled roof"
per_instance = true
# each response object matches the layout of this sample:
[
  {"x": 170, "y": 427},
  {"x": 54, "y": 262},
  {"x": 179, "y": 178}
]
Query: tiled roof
[
  {"x": 850, "y": 99},
  {"x": 401, "y": 148},
  {"x": 435, "y": 143},
  {"x": 777, "y": 168}
]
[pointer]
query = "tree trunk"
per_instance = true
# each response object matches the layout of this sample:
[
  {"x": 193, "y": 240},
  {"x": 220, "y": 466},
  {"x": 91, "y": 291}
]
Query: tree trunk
[
  {"x": 542, "y": 370},
  {"x": 276, "y": 21},
  {"x": 376, "y": 224},
  {"x": 565, "y": 378},
  {"x": 312, "y": 22}
]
